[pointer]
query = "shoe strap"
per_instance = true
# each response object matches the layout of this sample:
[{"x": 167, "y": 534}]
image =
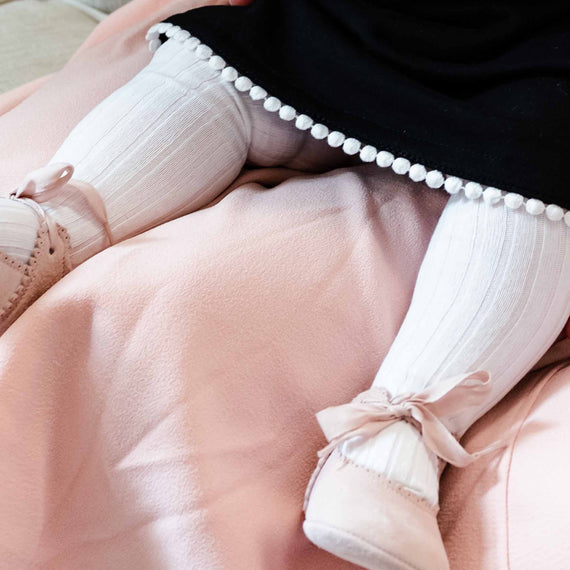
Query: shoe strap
[
  {"x": 40, "y": 185},
  {"x": 375, "y": 409}
]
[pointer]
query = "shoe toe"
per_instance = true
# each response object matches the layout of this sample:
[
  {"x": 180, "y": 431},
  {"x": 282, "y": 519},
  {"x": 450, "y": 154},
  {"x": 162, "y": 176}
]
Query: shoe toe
[{"x": 366, "y": 518}]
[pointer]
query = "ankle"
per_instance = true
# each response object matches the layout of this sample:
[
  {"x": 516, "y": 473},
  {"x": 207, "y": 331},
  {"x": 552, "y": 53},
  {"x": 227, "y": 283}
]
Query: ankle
[
  {"x": 399, "y": 452},
  {"x": 72, "y": 211},
  {"x": 18, "y": 229}
]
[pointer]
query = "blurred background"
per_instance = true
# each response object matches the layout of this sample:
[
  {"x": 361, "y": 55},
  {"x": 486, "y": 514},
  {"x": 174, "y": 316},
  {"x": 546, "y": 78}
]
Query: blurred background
[{"x": 37, "y": 37}]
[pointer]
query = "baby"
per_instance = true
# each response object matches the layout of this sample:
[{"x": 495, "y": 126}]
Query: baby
[{"x": 491, "y": 295}]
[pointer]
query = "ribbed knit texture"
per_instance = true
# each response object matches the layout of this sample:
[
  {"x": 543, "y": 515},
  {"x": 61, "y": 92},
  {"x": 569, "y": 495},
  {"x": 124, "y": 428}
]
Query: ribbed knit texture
[
  {"x": 163, "y": 145},
  {"x": 166, "y": 144},
  {"x": 492, "y": 293}
]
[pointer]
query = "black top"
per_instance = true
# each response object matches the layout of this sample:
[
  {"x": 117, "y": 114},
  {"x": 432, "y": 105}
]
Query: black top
[{"x": 476, "y": 89}]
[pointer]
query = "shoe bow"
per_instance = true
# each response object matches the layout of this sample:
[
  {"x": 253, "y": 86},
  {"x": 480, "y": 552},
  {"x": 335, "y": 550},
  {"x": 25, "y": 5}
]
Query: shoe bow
[
  {"x": 375, "y": 409},
  {"x": 42, "y": 184}
]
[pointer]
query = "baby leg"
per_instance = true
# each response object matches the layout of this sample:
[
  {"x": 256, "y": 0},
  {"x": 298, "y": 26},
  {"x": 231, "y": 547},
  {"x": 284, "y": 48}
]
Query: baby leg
[
  {"x": 492, "y": 294},
  {"x": 163, "y": 145},
  {"x": 159, "y": 147},
  {"x": 491, "y": 297}
]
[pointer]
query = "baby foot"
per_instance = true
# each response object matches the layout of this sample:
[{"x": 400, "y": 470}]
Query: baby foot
[
  {"x": 34, "y": 249},
  {"x": 399, "y": 453},
  {"x": 356, "y": 511},
  {"x": 370, "y": 520},
  {"x": 18, "y": 233}
]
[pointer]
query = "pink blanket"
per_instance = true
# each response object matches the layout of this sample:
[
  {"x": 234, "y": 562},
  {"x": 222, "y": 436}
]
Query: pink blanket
[{"x": 157, "y": 405}]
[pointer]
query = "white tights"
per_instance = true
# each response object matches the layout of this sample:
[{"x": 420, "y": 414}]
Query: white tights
[
  {"x": 163, "y": 145},
  {"x": 493, "y": 291}
]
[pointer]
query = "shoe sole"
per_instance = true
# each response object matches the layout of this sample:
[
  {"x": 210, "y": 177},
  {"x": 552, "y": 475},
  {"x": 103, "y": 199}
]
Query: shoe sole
[{"x": 352, "y": 548}]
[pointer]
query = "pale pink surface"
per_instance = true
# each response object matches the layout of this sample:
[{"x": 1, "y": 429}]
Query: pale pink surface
[
  {"x": 513, "y": 511},
  {"x": 12, "y": 98},
  {"x": 157, "y": 405},
  {"x": 541, "y": 462}
]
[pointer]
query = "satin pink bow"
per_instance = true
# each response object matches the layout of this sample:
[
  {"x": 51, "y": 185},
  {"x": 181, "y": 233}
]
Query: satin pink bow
[
  {"x": 41, "y": 185},
  {"x": 374, "y": 410}
]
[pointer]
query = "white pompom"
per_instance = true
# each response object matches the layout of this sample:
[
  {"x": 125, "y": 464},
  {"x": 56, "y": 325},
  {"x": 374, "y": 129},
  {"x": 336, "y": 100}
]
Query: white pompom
[
  {"x": 434, "y": 179},
  {"x": 163, "y": 27},
  {"x": 534, "y": 207},
  {"x": 351, "y": 146},
  {"x": 243, "y": 83},
  {"x": 401, "y": 165},
  {"x": 491, "y": 195},
  {"x": 452, "y": 184},
  {"x": 336, "y": 139},
  {"x": 513, "y": 200},
  {"x": 257, "y": 93},
  {"x": 154, "y": 29},
  {"x": 319, "y": 131},
  {"x": 303, "y": 122},
  {"x": 216, "y": 62},
  {"x": 181, "y": 35},
  {"x": 368, "y": 153},
  {"x": 204, "y": 51},
  {"x": 272, "y": 104},
  {"x": 473, "y": 191},
  {"x": 417, "y": 172},
  {"x": 229, "y": 74},
  {"x": 554, "y": 212},
  {"x": 153, "y": 45},
  {"x": 192, "y": 43},
  {"x": 287, "y": 113},
  {"x": 384, "y": 159},
  {"x": 172, "y": 30},
  {"x": 567, "y": 219}
]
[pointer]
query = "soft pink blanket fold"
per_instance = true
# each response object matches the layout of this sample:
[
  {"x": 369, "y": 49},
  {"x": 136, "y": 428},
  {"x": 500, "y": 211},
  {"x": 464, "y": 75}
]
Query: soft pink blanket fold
[
  {"x": 161, "y": 397},
  {"x": 157, "y": 405}
]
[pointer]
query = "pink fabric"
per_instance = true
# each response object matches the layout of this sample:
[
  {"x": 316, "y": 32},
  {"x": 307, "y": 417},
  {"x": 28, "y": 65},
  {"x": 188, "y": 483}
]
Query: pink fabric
[
  {"x": 12, "y": 98},
  {"x": 136, "y": 12},
  {"x": 157, "y": 405},
  {"x": 513, "y": 510},
  {"x": 163, "y": 406}
]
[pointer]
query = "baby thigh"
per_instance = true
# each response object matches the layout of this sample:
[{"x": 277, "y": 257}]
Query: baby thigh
[{"x": 278, "y": 142}]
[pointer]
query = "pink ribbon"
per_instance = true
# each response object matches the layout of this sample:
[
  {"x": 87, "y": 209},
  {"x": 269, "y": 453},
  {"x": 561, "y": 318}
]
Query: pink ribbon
[
  {"x": 40, "y": 185},
  {"x": 375, "y": 409}
]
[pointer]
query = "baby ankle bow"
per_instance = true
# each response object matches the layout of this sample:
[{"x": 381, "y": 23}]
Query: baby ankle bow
[
  {"x": 375, "y": 409},
  {"x": 41, "y": 184}
]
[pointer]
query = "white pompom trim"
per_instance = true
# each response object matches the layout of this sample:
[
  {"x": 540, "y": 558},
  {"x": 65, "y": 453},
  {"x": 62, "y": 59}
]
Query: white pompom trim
[
  {"x": 257, "y": 93},
  {"x": 336, "y": 139},
  {"x": 319, "y": 131},
  {"x": 303, "y": 122},
  {"x": 287, "y": 113},
  {"x": 351, "y": 146}
]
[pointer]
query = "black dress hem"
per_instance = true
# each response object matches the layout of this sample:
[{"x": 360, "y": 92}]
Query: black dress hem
[{"x": 402, "y": 163}]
